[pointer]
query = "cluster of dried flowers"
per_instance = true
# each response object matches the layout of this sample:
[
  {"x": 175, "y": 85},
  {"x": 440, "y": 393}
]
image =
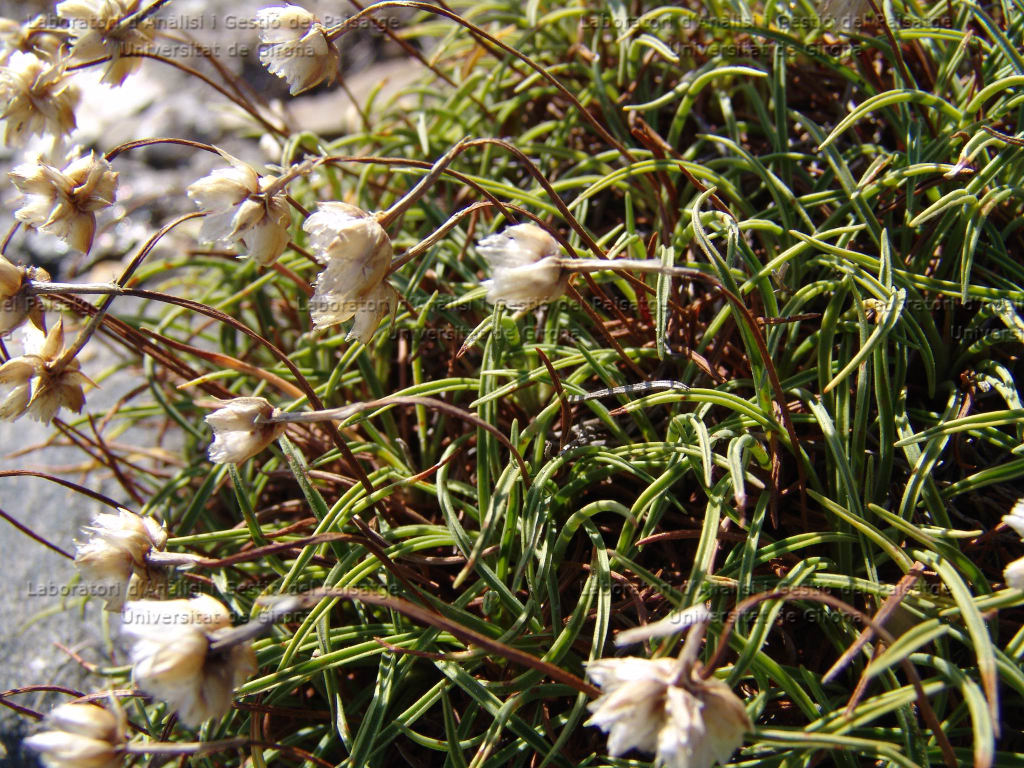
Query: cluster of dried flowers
[{"x": 183, "y": 652}]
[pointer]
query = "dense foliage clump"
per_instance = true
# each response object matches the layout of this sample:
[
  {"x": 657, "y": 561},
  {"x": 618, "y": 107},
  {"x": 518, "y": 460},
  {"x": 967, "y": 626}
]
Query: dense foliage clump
[{"x": 746, "y": 375}]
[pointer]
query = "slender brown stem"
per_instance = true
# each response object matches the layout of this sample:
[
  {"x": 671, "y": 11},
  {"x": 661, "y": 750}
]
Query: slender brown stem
[
  {"x": 803, "y": 593},
  {"x": 349, "y": 23},
  {"x": 410, "y": 49},
  {"x": 35, "y": 536},
  {"x": 66, "y": 483},
  {"x": 94, "y": 322},
  {"x": 435, "y": 237},
  {"x": 466, "y": 635},
  {"x": 129, "y": 145},
  {"x": 460, "y": 177},
  {"x": 194, "y": 73},
  {"x": 311, "y": 417},
  {"x": 388, "y": 217}
]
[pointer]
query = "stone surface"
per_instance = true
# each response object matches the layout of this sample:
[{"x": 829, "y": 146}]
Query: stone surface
[
  {"x": 157, "y": 101},
  {"x": 36, "y": 607}
]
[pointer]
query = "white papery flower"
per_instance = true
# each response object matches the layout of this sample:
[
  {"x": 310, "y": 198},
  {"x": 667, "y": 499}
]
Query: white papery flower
[
  {"x": 64, "y": 203},
  {"x": 847, "y": 14},
  {"x": 238, "y": 208},
  {"x": 296, "y": 47},
  {"x": 524, "y": 268},
  {"x": 172, "y": 657},
  {"x": 39, "y": 98},
  {"x": 688, "y": 723},
  {"x": 358, "y": 253},
  {"x": 100, "y": 32},
  {"x": 1016, "y": 518},
  {"x": 81, "y": 735},
  {"x": 374, "y": 308},
  {"x": 34, "y": 385},
  {"x": 1014, "y": 574},
  {"x": 113, "y": 558},
  {"x": 237, "y": 436},
  {"x": 13, "y": 310},
  {"x": 28, "y": 37}
]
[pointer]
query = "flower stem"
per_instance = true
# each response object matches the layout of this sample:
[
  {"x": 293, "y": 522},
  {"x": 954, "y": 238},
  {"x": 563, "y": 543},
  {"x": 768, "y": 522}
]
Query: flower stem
[
  {"x": 403, "y": 204},
  {"x": 94, "y": 322},
  {"x": 344, "y": 26},
  {"x": 335, "y": 414},
  {"x": 258, "y": 626},
  {"x": 34, "y": 288}
]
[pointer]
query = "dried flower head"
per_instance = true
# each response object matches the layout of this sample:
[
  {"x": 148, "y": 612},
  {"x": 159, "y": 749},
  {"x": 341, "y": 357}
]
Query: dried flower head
[
  {"x": 685, "y": 723},
  {"x": 1014, "y": 574},
  {"x": 38, "y": 97},
  {"x": 847, "y": 14},
  {"x": 239, "y": 208},
  {"x": 172, "y": 657},
  {"x": 16, "y": 305},
  {"x": 81, "y": 735},
  {"x": 113, "y": 558},
  {"x": 296, "y": 47},
  {"x": 37, "y": 384},
  {"x": 524, "y": 268},
  {"x": 64, "y": 203},
  {"x": 104, "y": 29},
  {"x": 1016, "y": 518},
  {"x": 28, "y": 37},
  {"x": 237, "y": 436},
  {"x": 358, "y": 253}
]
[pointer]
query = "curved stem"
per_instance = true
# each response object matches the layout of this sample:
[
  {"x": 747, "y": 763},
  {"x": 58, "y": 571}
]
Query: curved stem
[
  {"x": 803, "y": 593},
  {"x": 34, "y": 536},
  {"x": 184, "y": 747},
  {"x": 95, "y": 495},
  {"x": 194, "y": 73},
  {"x": 403, "y": 204},
  {"x": 350, "y": 22},
  {"x": 537, "y": 174},
  {"x": 94, "y": 322},
  {"x": 435, "y": 237},
  {"x": 332, "y": 414},
  {"x": 129, "y": 145},
  {"x": 734, "y": 301},
  {"x": 460, "y": 177},
  {"x": 466, "y": 635}
]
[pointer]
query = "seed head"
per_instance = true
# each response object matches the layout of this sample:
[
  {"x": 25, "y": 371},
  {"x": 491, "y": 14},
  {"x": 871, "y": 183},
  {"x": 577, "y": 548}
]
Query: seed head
[
  {"x": 102, "y": 29},
  {"x": 172, "y": 658},
  {"x": 524, "y": 269},
  {"x": 236, "y": 434},
  {"x": 64, "y": 203},
  {"x": 39, "y": 98},
  {"x": 688, "y": 723},
  {"x": 35, "y": 384},
  {"x": 358, "y": 253},
  {"x": 296, "y": 47},
  {"x": 113, "y": 558},
  {"x": 81, "y": 735},
  {"x": 239, "y": 210}
]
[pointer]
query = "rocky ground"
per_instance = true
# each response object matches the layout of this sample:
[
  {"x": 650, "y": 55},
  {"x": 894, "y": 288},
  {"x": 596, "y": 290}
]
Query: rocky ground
[{"x": 157, "y": 101}]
